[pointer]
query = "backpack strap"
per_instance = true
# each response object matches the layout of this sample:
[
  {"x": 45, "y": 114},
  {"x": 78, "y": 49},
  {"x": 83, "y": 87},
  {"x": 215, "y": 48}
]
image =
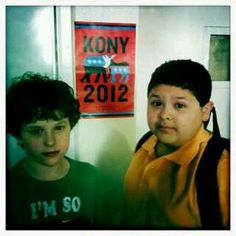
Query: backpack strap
[
  {"x": 206, "y": 179},
  {"x": 207, "y": 186},
  {"x": 144, "y": 138}
]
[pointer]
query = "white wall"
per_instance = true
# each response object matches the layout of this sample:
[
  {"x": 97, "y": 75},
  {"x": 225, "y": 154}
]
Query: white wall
[
  {"x": 114, "y": 130},
  {"x": 177, "y": 32},
  {"x": 107, "y": 143}
]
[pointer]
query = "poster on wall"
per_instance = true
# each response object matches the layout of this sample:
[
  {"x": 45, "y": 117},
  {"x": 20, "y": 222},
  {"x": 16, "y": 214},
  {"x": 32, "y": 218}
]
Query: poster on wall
[{"x": 105, "y": 68}]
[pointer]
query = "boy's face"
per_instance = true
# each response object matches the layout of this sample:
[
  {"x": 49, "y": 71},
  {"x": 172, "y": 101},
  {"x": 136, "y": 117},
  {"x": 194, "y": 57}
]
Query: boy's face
[
  {"x": 47, "y": 141},
  {"x": 174, "y": 114}
]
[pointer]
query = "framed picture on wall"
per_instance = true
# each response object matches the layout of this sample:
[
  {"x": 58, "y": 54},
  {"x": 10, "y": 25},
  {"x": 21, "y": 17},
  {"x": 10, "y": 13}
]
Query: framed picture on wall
[{"x": 216, "y": 46}]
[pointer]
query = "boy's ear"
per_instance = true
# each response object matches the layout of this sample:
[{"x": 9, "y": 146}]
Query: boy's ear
[{"x": 206, "y": 110}]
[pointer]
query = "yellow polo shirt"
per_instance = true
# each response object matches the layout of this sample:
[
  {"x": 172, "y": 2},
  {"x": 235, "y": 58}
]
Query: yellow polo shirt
[{"x": 161, "y": 192}]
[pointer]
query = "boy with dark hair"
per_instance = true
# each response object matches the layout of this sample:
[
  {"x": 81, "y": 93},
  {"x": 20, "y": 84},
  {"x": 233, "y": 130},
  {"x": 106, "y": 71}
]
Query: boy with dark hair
[
  {"x": 162, "y": 181},
  {"x": 46, "y": 189}
]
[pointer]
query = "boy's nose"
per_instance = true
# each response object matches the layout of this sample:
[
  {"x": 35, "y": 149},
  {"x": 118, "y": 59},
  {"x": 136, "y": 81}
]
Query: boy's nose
[
  {"x": 166, "y": 113},
  {"x": 49, "y": 139}
]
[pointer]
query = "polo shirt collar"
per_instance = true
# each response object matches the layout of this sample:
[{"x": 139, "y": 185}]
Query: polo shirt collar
[{"x": 185, "y": 154}]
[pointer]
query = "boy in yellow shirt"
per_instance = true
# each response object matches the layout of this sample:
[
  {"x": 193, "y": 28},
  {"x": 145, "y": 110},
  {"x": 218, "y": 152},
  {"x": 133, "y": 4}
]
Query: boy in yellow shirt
[{"x": 160, "y": 184}]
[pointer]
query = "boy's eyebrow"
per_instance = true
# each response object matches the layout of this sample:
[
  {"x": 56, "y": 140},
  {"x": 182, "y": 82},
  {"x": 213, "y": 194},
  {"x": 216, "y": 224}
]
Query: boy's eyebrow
[
  {"x": 158, "y": 96},
  {"x": 181, "y": 97},
  {"x": 61, "y": 122},
  {"x": 29, "y": 126},
  {"x": 154, "y": 95}
]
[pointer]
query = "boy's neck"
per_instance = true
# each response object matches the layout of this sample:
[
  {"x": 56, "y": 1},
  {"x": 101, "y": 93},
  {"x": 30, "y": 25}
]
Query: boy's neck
[
  {"x": 164, "y": 149},
  {"x": 46, "y": 173}
]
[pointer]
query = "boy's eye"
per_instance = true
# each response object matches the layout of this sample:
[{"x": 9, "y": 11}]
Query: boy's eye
[
  {"x": 60, "y": 127},
  {"x": 156, "y": 103},
  {"x": 36, "y": 132},
  {"x": 180, "y": 105}
]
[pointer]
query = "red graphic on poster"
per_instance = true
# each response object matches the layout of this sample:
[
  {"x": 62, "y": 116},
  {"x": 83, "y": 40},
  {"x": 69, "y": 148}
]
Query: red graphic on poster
[{"x": 105, "y": 68}]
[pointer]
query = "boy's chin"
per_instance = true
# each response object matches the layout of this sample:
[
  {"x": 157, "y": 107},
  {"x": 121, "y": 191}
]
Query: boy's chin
[
  {"x": 52, "y": 161},
  {"x": 168, "y": 141}
]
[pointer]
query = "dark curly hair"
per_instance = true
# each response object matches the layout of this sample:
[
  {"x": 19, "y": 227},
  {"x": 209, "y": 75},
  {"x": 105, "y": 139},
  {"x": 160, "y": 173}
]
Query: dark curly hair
[
  {"x": 33, "y": 97},
  {"x": 185, "y": 74}
]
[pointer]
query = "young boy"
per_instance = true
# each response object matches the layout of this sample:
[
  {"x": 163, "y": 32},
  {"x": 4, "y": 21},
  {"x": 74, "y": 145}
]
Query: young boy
[
  {"x": 160, "y": 184},
  {"x": 46, "y": 190}
]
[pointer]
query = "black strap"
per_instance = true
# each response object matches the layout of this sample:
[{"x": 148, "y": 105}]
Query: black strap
[
  {"x": 206, "y": 179},
  {"x": 144, "y": 138},
  {"x": 207, "y": 187}
]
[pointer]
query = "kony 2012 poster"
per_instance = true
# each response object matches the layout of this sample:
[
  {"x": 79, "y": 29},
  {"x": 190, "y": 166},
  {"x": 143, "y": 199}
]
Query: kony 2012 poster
[{"x": 105, "y": 68}]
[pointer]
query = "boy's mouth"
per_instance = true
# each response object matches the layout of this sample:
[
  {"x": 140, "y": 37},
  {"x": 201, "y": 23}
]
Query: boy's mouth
[
  {"x": 51, "y": 154},
  {"x": 165, "y": 128}
]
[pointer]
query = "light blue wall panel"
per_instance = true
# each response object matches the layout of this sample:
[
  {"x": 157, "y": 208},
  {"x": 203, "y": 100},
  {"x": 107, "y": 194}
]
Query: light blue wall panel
[
  {"x": 29, "y": 47},
  {"x": 29, "y": 40}
]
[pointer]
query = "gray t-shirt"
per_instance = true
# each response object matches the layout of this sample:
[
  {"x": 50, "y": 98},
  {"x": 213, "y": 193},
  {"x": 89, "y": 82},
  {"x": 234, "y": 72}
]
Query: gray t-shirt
[{"x": 67, "y": 202}]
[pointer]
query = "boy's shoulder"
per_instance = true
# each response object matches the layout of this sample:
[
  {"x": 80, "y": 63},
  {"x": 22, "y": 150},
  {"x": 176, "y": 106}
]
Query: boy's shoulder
[
  {"x": 81, "y": 173},
  {"x": 18, "y": 174},
  {"x": 224, "y": 142},
  {"x": 17, "y": 169},
  {"x": 83, "y": 167},
  {"x": 80, "y": 163}
]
